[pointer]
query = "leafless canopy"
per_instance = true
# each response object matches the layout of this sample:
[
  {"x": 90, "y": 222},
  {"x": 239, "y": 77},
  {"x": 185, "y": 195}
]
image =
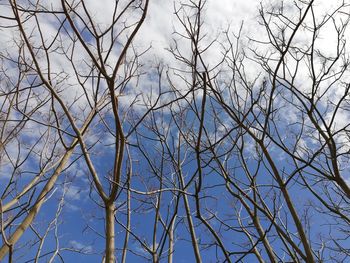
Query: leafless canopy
[{"x": 233, "y": 149}]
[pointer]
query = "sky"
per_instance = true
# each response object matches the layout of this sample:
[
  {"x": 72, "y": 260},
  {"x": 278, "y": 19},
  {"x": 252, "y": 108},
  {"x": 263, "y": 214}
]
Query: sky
[{"x": 81, "y": 219}]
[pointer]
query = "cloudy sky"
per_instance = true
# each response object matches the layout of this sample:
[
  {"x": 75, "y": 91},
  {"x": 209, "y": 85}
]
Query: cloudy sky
[{"x": 160, "y": 32}]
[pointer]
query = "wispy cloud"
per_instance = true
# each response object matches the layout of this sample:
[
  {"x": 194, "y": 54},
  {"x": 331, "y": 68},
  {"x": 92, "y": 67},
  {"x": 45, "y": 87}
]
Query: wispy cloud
[{"x": 80, "y": 246}]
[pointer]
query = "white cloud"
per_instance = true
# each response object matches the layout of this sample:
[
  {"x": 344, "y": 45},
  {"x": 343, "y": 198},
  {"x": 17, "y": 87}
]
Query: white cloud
[
  {"x": 74, "y": 192},
  {"x": 80, "y": 246}
]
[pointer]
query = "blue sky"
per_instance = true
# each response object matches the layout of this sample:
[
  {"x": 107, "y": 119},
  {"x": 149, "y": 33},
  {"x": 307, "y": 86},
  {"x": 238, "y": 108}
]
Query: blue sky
[{"x": 163, "y": 147}]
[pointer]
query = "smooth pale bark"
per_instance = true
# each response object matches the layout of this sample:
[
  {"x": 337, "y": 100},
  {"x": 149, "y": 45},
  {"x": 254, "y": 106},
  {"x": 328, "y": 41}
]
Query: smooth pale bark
[
  {"x": 36, "y": 207},
  {"x": 33, "y": 211},
  {"x": 171, "y": 243},
  {"x": 110, "y": 233},
  {"x": 128, "y": 225},
  {"x": 191, "y": 229}
]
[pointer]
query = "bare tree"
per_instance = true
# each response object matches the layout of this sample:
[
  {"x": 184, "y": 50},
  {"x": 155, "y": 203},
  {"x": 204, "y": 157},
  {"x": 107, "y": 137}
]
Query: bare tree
[
  {"x": 273, "y": 135},
  {"x": 97, "y": 87},
  {"x": 200, "y": 155}
]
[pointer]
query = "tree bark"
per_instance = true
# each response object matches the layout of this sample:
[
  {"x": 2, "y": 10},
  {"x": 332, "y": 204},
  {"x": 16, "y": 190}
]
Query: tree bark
[{"x": 110, "y": 233}]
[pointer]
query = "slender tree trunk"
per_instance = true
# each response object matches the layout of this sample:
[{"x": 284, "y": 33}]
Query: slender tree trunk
[
  {"x": 128, "y": 226},
  {"x": 171, "y": 243},
  {"x": 33, "y": 211},
  {"x": 110, "y": 233},
  {"x": 192, "y": 231}
]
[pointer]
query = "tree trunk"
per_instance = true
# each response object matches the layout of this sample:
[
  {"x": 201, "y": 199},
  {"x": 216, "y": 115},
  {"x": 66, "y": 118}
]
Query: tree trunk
[{"x": 110, "y": 234}]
